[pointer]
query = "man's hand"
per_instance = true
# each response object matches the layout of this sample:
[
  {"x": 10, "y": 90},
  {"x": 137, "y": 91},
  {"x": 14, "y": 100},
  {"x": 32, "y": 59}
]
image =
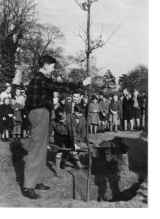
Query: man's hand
[
  {"x": 77, "y": 147},
  {"x": 87, "y": 81}
]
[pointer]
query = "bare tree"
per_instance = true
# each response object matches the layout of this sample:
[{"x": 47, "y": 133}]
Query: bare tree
[
  {"x": 40, "y": 40},
  {"x": 16, "y": 19},
  {"x": 90, "y": 44},
  {"x": 90, "y": 47}
]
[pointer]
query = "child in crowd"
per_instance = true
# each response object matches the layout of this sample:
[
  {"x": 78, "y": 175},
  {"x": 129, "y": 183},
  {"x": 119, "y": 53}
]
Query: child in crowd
[
  {"x": 56, "y": 106},
  {"x": 114, "y": 110},
  {"x": 68, "y": 105},
  {"x": 18, "y": 104},
  {"x": 93, "y": 115},
  {"x": 79, "y": 127},
  {"x": 127, "y": 106},
  {"x": 6, "y": 119},
  {"x": 137, "y": 102}
]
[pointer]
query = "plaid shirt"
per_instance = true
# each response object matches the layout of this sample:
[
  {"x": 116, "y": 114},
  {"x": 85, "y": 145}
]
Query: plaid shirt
[{"x": 40, "y": 91}]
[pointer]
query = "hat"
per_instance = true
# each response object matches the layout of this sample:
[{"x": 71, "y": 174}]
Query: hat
[{"x": 46, "y": 59}]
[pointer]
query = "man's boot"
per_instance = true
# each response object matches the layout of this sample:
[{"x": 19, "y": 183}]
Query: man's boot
[{"x": 30, "y": 193}]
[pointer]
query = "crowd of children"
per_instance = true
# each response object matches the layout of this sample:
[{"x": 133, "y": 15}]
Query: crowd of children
[
  {"x": 13, "y": 118},
  {"x": 69, "y": 117},
  {"x": 117, "y": 112}
]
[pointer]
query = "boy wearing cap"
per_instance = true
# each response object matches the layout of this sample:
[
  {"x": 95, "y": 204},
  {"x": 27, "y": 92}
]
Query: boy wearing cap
[
  {"x": 79, "y": 126},
  {"x": 64, "y": 138}
]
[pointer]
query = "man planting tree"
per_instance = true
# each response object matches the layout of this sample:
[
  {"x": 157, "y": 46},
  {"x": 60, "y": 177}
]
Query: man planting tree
[{"x": 39, "y": 105}]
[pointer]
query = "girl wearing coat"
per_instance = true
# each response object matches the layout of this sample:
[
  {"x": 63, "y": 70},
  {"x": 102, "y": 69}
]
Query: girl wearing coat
[{"x": 93, "y": 115}]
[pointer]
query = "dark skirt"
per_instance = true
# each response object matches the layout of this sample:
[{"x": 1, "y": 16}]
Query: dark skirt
[
  {"x": 6, "y": 124},
  {"x": 137, "y": 113},
  {"x": 128, "y": 113},
  {"x": 1, "y": 125},
  {"x": 93, "y": 118}
]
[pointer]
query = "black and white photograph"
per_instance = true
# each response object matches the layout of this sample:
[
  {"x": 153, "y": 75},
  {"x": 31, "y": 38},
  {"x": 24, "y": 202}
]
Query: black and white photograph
[{"x": 74, "y": 103}]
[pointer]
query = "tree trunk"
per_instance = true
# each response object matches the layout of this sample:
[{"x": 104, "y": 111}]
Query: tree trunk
[{"x": 8, "y": 51}]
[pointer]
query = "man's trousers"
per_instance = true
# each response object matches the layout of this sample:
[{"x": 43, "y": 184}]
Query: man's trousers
[{"x": 35, "y": 161}]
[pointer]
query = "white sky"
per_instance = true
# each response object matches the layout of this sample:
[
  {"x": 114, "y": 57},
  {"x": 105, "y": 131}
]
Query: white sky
[{"x": 127, "y": 48}]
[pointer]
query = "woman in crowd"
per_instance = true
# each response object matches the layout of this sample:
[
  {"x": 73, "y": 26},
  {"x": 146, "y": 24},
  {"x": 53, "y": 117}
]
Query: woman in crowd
[
  {"x": 110, "y": 99},
  {"x": 84, "y": 105},
  {"x": 144, "y": 108},
  {"x": 121, "y": 112},
  {"x": 127, "y": 106},
  {"x": 104, "y": 113},
  {"x": 137, "y": 102}
]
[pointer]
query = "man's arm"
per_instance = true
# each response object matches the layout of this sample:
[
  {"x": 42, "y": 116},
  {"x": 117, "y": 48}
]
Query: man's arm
[{"x": 66, "y": 86}]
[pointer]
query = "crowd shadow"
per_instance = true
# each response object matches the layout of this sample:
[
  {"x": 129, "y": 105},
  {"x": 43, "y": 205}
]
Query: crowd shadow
[{"x": 18, "y": 153}]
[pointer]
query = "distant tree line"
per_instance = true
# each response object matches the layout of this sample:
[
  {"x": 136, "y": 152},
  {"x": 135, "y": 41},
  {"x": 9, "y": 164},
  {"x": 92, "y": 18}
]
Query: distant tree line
[
  {"x": 135, "y": 79},
  {"x": 22, "y": 39}
]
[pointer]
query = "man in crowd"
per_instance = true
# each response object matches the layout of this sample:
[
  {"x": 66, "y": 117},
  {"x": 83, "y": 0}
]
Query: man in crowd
[{"x": 39, "y": 104}]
